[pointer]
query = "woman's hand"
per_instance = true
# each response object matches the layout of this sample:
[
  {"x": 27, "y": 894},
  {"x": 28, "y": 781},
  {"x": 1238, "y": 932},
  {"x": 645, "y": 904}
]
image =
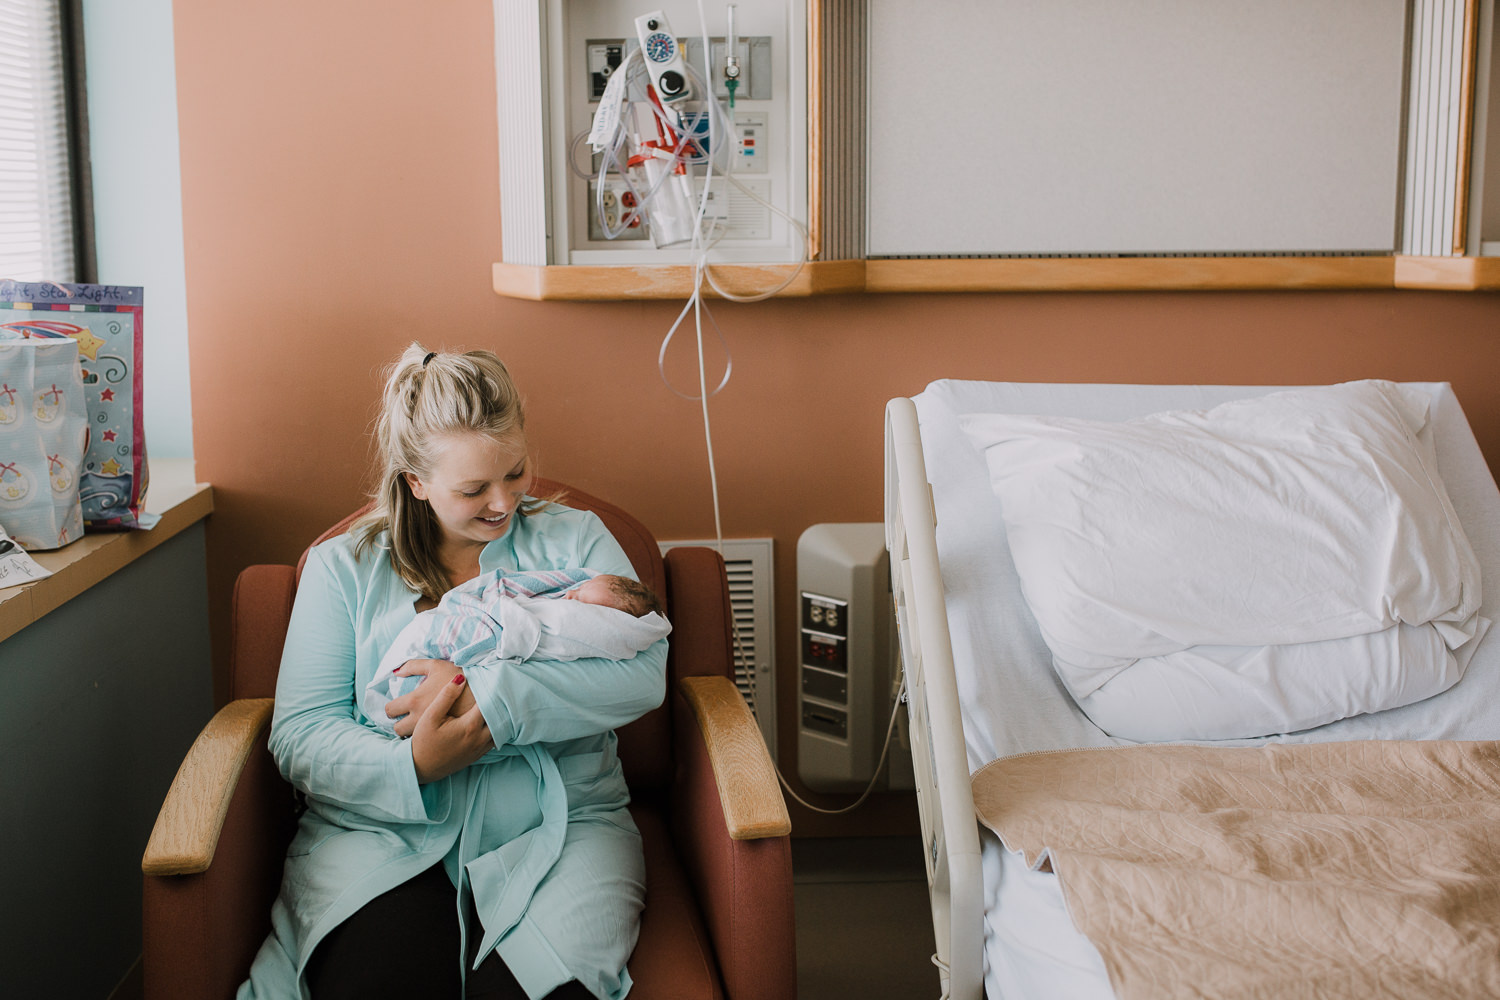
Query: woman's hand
[
  {"x": 446, "y": 740},
  {"x": 408, "y": 708}
]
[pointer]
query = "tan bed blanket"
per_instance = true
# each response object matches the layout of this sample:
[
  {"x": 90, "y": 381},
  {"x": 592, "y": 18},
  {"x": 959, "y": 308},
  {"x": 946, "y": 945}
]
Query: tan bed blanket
[{"x": 1328, "y": 870}]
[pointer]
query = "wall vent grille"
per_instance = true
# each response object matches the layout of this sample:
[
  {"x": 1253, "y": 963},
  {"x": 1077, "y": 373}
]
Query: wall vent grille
[
  {"x": 748, "y": 563},
  {"x": 521, "y": 74},
  {"x": 844, "y": 32},
  {"x": 1436, "y": 99}
]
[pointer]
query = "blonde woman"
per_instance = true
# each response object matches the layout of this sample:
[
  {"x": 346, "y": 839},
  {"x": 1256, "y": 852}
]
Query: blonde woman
[{"x": 416, "y": 871}]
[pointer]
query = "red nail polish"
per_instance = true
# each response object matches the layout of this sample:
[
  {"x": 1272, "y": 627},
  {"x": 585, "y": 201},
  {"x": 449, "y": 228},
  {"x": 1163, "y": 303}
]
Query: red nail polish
[{"x": 458, "y": 678}]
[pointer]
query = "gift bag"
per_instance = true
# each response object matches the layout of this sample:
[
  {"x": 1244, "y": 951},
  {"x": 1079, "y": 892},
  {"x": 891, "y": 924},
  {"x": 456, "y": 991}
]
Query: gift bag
[
  {"x": 105, "y": 321},
  {"x": 43, "y": 426}
]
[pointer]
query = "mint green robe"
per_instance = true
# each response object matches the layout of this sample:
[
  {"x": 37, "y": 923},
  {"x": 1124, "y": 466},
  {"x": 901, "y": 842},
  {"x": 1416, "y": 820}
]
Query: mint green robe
[{"x": 498, "y": 826}]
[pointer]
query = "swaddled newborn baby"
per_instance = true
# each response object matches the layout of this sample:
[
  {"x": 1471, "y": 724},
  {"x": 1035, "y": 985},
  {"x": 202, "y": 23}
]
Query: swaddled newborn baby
[{"x": 521, "y": 615}]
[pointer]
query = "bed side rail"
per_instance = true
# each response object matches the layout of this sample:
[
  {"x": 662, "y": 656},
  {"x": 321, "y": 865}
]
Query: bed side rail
[{"x": 950, "y": 833}]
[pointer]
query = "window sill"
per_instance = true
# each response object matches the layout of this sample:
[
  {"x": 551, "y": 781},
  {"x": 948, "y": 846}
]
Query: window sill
[
  {"x": 173, "y": 494},
  {"x": 1016, "y": 274}
]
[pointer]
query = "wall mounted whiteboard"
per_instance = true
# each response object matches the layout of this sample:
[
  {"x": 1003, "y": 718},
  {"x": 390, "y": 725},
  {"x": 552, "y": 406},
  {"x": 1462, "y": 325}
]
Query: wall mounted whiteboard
[{"x": 1134, "y": 126}]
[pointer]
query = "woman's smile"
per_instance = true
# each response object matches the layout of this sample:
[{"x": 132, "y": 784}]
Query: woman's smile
[{"x": 475, "y": 484}]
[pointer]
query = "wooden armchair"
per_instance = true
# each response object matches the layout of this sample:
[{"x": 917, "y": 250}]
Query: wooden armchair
[{"x": 718, "y": 920}]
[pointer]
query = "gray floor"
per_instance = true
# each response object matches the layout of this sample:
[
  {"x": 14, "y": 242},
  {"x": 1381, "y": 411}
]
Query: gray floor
[{"x": 864, "y": 929}]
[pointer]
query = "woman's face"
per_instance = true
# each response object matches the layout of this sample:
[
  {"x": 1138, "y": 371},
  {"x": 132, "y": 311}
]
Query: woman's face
[{"x": 475, "y": 485}]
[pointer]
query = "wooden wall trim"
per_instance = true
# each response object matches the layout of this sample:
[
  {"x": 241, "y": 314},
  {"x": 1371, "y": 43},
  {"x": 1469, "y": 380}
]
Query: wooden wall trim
[
  {"x": 1096, "y": 274},
  {"x": 1466, "y": 136},
  {"x": 1082, "y": 274}
]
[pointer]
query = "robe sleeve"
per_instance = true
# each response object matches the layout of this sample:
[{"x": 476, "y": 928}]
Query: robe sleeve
[{"x": 319, "y": 745}]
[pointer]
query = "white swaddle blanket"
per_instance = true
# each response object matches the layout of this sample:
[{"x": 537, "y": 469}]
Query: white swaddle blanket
[{"x": 481, "y": 625}]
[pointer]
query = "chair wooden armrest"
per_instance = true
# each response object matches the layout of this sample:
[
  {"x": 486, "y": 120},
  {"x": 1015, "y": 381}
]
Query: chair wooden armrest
[
  {"x": 187, "y": 827},
  {"x": 732, "y": 830},
  {"x": 742, "y": 768},
  {"x": 213, "y": 863}
]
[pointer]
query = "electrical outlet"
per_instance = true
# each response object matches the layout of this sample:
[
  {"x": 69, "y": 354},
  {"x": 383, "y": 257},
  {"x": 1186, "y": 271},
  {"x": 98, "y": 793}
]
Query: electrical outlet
[{"x": 618, "y": 202}]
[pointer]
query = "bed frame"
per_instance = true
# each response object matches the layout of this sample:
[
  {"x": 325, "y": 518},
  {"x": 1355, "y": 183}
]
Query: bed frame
[{"x": 950, "y": 829}]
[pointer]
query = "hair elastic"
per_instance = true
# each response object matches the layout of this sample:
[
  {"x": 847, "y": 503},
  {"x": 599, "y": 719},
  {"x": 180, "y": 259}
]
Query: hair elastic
[{"x": 430, "y": 356}]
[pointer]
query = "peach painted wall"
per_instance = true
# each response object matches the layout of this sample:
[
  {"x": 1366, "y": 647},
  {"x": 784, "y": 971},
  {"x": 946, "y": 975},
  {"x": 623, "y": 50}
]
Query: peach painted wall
[{"x": 339, "y": 171}]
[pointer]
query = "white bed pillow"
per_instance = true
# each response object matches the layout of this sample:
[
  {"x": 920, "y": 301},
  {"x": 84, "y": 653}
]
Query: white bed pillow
[{"x": 1151, "y": 547}]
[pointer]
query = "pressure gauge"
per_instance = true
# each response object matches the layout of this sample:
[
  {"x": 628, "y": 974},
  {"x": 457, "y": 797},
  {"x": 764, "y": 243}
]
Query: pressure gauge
[
  {"x": 660, "y": 47},
  {"x": 664, "y": 60}
]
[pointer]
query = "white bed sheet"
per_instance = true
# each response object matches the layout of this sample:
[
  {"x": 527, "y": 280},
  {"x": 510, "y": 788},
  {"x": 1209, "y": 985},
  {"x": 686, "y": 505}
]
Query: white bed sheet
[{"x": 1031, "y": 947}]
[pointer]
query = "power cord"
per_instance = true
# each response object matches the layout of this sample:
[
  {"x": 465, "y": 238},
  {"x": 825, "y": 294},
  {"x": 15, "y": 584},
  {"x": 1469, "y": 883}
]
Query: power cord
[
  {"x": 947, "y": 973},
  {"x": 879, "y": 765}
]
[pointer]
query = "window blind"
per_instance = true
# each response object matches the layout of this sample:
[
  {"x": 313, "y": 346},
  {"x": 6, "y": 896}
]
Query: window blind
[{"x": 36, "y": 213}]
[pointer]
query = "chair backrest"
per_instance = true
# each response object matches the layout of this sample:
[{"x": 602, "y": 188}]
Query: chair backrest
[{"x": 646, "y": 744}]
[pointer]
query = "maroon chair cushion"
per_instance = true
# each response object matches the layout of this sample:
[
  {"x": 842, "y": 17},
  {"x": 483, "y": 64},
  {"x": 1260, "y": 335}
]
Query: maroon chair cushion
[
  {"x": 673, "y": 958},
  {"x": 262, "y": 609}
]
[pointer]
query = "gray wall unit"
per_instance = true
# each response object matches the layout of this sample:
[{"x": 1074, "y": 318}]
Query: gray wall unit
[{"x": 104, "y": 695}]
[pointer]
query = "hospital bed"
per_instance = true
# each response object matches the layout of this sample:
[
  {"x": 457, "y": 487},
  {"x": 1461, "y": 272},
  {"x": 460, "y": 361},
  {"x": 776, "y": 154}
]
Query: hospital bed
[{"x": 980, "y": 680}]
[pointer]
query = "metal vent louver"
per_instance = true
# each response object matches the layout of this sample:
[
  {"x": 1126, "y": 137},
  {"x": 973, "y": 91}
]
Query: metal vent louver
[{"x": 748, "y": 564}]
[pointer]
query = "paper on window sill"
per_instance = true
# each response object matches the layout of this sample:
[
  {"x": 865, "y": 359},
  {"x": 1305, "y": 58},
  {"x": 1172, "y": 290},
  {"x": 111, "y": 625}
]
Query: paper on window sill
[{"x": 16, "y": 567}]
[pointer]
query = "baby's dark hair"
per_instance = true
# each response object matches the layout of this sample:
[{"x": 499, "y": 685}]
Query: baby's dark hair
[{"x": 634, "y": 597}]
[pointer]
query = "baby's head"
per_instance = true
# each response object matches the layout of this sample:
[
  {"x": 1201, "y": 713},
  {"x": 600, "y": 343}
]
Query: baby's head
[{"x": 618, "y": 592}]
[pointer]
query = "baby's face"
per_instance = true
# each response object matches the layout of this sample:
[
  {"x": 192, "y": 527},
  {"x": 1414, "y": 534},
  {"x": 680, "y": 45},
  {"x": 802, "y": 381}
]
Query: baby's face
[{"x": 594, "y": 591}]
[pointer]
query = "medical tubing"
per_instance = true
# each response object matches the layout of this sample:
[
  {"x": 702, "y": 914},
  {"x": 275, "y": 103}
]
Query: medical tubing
[
  {"x": 890, "y": 729},
  {"x": 708, "y": 438},
  {"x": 801, "y": 260},
  {"x": 695, "y": 301},
  {"x": 609, "y": 159},
  {"x": 641, "y": 200},
  {"x": 695, "y": 298},
  {"x": 717, "y": 112},
  {"x": 578, "y": 140},
  {"x": 709, "y": 99},
  {"x": 720, "y": 121},
  {"x": 661, "y": 355},
  {"x": 700, "y": 252},
  {"x": 947, "y": 975},
  {"x": 698, "y": 306},
  {"x": 633, "y": 67}
]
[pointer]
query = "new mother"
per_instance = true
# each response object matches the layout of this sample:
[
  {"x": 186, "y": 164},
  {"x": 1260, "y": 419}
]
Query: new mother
[{"x": 418, "y": 869}]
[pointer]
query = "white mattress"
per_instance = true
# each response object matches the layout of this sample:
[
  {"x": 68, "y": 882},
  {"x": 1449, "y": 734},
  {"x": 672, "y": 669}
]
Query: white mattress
[{"x": 1031, "y": 948}]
